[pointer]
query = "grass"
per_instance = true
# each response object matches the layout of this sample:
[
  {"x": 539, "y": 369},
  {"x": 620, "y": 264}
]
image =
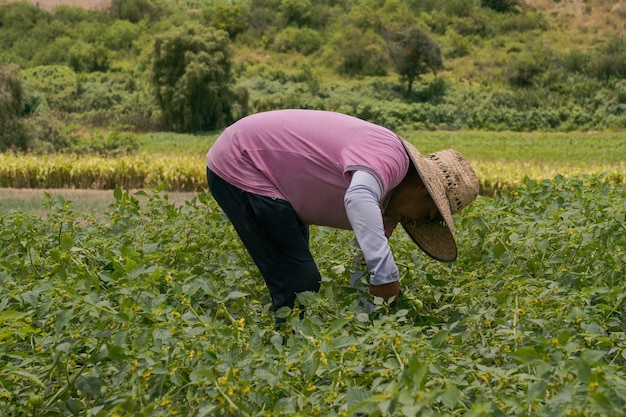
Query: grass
[
  {"x": 83, "y": 201},
  {"x": 573, "y": 148}
]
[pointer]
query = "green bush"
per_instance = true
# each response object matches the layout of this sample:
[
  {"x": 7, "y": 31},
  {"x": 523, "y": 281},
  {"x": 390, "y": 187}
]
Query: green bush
[
  {"x": 359, "y": 53},
  {"x": 296, "y": 12},
  {"x": 302, "y": 40},
  {"x": 610, "y": 60},
  {"x": 191, "y": 75},
  {"x": 55, "y": 53},
  {"x": 501, "y": 5},
  {"x": 46, "y": 133},
  {"x": 99, "y": 142},
  {"x": 136, "y": 10},
  {"x": 13, "y": 132},
  {"x": 120, "y": 35},
  {"x": 524, "y": 68},
  {"x": 233, "y": 19},
  {"x": 87, "y": 57},
  {"x": 526, "y": 21}
]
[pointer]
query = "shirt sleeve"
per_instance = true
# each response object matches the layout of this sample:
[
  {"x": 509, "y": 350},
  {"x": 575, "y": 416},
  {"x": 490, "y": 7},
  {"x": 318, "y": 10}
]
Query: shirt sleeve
[{"x": 362, "y": 206}]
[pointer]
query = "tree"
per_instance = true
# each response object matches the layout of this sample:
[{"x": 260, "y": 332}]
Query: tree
[
  {"x": 191, "y": 74},
  {"x": 12, "y": 100},
  {"x": 413, "y": 53},
  {"x": 136, "y": 10},
  {"x": 500, "y": 5}
]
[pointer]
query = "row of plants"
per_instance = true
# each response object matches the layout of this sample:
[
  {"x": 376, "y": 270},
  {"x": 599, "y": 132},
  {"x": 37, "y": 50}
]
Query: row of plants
[
  {"x": 184, "y": 172},
  {"x": 153, "y": 309},
  {"x": 137, "y": 171}
]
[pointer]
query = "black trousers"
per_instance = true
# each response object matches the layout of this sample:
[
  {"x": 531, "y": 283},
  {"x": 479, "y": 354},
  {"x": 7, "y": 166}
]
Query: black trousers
[{"x": 275, "y": 238}]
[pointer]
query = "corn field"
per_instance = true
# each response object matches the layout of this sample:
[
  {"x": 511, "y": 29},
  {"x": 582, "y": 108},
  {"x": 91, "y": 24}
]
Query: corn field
[
  {"x": 187, "y": 173},
  {"x": 174, "y": 173}
]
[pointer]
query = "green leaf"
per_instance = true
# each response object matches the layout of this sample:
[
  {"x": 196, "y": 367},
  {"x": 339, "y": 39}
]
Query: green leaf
[
  {"x": 415, "y": 374},
  {"x": 235, "y": 294},
  {"x": 526, "y": 355},
  {"x": 336, "y": 325},
  {"x": 88, "y": 385},
  {"x": 450, "y": 396},
  {"x": 115, "y": 352},
  {"x": 498, "y": 250},
  {"x": 592, "y": 356},
  {"x": 117, "y": 193},
  {"x": 535, "y": 391},
  {"x": 439, "y": 339},
  {"x": 67, "y": 241},
  {"x": 71, "y": 405},
  {"x": 356, "y": 398},
  {"x": 363, "y": 317},
  {"x": 63, "y": 319},
  {"x": 8, "y": 370},
  {"x": 12, "y": 315},
  {"x": 436, "y": 282},
  {"x": 200, "y": 374}
]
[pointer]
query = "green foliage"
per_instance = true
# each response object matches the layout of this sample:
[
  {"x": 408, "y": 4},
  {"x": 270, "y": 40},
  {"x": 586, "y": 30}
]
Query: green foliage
[
  {"x": 232, "y": 19},
  {"x": 121, "y": 35},
  {"x": 525, "y": 67},
  {"x": 87, "y": 57},
  {"x": 191, "y": 74},
  {"x": 302, "y": 40},
  {"x": 13, "y": 132},
  {"x": 485, "y": 44},
  {"x": 611, "y": 62},
  {"x": 97, "y": 142},
  {"x": 296, "y": 12},
  {"x": 501, "y": 5},
  {"x": 360, "y": 53},
  {"x": 136, "y": 10},
  {"x": 413, "y": 53},
  {"x": 154, "y": 309}
]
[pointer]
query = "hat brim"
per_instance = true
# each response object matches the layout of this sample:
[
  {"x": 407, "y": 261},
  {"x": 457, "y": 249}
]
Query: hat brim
[{"x": 436, "y": 239}]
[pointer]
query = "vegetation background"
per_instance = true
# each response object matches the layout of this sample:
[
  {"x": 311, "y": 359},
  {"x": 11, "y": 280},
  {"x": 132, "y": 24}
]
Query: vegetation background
[{"x": 499, "y": 65}]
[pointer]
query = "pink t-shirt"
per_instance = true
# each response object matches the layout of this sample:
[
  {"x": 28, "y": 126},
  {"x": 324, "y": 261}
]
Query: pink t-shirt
[{"x": 307, "y": 157}]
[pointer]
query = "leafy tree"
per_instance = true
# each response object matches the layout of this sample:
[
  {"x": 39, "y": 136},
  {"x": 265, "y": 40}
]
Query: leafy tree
[
  {"x": 87, "y": 57},
  {"x": 136, "y": 10},
  {"x": 12, "y": 99},
  {"x": 303, "y": 40},
  {"x": 413, "y": 53},
  {"x": 360, "y": 53},
  {"x": 296, "y": 12},
  {"x": 230, "y": 18},
  {"x": 191, "y": 74},
  {"x": 500, "y": 5}
]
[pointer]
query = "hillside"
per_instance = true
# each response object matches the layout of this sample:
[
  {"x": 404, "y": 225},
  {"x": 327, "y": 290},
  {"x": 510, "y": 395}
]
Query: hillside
[
  {"x": 541, "y": 65},
  {"x": 579, "y": 21}
]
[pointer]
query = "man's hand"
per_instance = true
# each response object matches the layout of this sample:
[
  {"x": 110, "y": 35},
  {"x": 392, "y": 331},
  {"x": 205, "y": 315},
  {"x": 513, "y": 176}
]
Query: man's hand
[{"x": 386, "y": 291}]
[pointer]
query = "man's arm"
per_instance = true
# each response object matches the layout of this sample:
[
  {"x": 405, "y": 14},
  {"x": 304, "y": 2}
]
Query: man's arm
[{"x": 362, "y": 206}]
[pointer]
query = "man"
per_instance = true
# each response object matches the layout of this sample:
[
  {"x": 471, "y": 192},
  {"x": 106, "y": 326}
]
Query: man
[{"x": 278, "y": 172}]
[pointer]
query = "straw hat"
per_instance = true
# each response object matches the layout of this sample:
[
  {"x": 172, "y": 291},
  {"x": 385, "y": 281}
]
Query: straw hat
[{"x": 452, "y": 184}]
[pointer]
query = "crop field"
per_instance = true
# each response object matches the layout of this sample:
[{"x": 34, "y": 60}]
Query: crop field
[
  {"x": 144, "y": 303},
  {"x": 155, "y": 309}
]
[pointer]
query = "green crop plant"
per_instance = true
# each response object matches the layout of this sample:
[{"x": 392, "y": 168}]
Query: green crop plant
[{"x": 156, "y": 309}]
